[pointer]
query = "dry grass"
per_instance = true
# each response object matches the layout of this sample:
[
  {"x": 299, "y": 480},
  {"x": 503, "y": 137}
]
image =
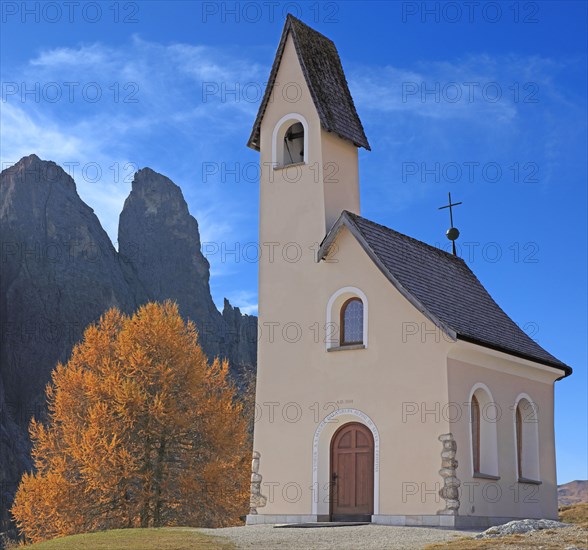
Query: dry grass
[
  {"x": 547, "y": 539},
  {"x": 576, "y": 513},
  {"x": 175, "y": 538}
]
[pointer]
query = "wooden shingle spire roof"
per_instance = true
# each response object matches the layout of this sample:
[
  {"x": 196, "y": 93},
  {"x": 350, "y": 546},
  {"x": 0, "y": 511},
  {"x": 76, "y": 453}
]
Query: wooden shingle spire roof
[{"x": 326, "y": 81}]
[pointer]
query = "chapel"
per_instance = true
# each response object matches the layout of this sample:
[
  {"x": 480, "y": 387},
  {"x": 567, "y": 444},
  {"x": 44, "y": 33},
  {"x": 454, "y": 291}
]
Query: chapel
[{"x": 391, "y": 387}]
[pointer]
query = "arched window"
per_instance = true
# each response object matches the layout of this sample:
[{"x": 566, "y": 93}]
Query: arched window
[
  {"x": 476, "y": 433},
  {"x": 527, "y": 440},
  {"x": 484, "y": 414},
  {"x": 347, "y": 320},
  {"x": 293, "y": 151},
  {"x": 519, "y": 430},
  {"x": 351, "y": 322},
  {"x": 290, "y": 141}
]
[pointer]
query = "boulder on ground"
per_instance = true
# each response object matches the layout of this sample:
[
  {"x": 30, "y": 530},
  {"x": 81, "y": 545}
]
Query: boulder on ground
[{"x": 518, "y": 527}]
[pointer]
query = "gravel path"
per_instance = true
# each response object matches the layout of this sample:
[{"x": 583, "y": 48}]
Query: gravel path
[{"x": 360, "y": 537}]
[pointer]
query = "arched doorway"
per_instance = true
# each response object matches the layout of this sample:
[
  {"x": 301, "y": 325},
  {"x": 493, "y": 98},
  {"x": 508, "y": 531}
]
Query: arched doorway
[{"x": 352, "y": 473}]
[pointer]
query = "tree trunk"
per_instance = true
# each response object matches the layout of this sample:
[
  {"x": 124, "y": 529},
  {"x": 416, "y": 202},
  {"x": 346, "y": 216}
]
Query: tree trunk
[{"x": 158, "y": 479}]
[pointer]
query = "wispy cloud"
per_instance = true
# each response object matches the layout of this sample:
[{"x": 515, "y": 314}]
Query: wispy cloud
[
  {"x": 90, "y": 56},
  {"x": 146, "y": 91},
  {"x": 24, "y": 132},
  {"x": 475, "y": 109}
]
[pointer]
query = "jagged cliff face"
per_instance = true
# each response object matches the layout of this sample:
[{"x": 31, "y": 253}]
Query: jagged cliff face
[
  {"x": 60, "y": 272},
  {"x": 159, "y": 238}
]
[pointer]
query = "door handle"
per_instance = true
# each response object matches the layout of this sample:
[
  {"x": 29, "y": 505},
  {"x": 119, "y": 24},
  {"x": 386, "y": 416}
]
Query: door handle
[{"x": 335, "y": 476}]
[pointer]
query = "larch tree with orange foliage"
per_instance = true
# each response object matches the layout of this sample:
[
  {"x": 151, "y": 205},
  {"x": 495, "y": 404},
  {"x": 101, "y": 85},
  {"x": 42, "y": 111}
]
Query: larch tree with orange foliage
[{"x": 142, "y": 431}]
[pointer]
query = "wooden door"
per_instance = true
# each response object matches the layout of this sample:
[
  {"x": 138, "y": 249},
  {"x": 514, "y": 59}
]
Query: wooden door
[{"x": 352, "y": 473}]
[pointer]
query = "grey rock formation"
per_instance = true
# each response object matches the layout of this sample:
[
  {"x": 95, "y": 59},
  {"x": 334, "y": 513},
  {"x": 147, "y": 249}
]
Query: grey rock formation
[
  {"x": 240, "y": 336},
  {"x": 60, "y": 272},
  {"x": 521, "y": 526},
  {"x": 159, "y": 240},
  {"x": 15, "y": 457}
]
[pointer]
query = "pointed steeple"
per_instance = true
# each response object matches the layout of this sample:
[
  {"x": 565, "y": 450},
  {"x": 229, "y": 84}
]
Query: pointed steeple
[{"x": 326, "y": 81}]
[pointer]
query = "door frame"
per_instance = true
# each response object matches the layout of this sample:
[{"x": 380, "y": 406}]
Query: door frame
[
  {"x": 373, "y": 476},
  {"x": 321, "y": 447}
]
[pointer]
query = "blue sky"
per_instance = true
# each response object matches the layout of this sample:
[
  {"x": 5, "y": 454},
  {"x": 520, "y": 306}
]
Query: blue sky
[{"x": 486, "y": 101}]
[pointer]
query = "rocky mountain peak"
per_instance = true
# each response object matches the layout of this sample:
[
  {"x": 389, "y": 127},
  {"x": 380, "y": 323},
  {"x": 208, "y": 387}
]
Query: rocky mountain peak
[
  {"x": 31, "y": 170},
  {"x": 161, "y": 204},
  {"x": 156, "y": 189}
]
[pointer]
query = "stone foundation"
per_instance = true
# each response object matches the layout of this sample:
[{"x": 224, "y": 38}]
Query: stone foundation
[{"x": 442, "y": 521}]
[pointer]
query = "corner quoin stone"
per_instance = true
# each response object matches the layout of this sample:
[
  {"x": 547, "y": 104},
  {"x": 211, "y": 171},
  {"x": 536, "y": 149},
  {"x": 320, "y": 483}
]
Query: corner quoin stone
[{"x": 450, "y": 490}]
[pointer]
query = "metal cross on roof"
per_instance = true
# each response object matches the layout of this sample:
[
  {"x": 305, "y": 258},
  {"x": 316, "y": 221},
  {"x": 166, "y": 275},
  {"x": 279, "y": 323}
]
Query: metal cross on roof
[{"x": 452, "y": 233}]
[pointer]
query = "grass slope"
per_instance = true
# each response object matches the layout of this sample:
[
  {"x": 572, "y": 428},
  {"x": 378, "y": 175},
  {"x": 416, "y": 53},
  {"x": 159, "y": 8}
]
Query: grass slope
[
  {"x": 547, "y": 539},
  {"x": 576, "y": 513},
  {"x": 168, "y": 538}
]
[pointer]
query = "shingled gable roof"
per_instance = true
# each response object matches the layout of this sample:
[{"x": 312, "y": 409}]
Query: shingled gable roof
[
  {"x": 326, "y": 81},
  {"x": 443, "y": 288}
]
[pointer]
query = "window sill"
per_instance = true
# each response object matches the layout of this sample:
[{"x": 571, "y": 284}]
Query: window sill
[
  {"x": 348, "y": 347},
  {"x": 283, "y": 166},
  {"x": 480, "y": 475},
  {"x": 529, "y": 481}
]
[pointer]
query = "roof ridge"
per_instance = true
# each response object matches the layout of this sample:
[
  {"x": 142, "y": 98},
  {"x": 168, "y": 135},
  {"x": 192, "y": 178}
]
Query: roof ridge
[
  {"x": 290, "y": 27},
  {"x": 473, "y": 313},
  {"x": 325, "y": 78},
  {"x": 293, "y": 20},
  {"x": 408, "y": 237}
]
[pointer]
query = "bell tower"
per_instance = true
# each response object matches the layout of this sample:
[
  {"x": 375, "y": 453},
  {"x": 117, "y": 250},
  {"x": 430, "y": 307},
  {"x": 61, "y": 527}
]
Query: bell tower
[{"x": 307, "y": 132}]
